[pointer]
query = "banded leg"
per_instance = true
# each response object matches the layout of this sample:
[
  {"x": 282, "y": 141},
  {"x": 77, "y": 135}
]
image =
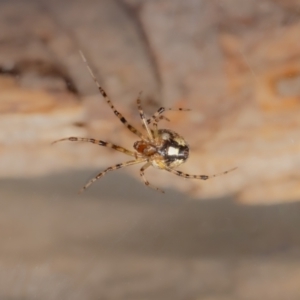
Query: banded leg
[
  {"x": 158, "y": 115},
  {"x": 203, "y": 177},
  {"x": 147, "y": 183},
  {"x": 155, "y": 131},
  {"x": 162, "y": 117},
  {"x": 97, "y": 142},
  {"x": 143, "y": 118},
  {"x": 108, "y": 101},
  {"x": 115, "y": 167}
]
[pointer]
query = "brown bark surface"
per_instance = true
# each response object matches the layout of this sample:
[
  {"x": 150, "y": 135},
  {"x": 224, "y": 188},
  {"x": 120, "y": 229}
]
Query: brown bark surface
[{"x": 236, "y": 64}]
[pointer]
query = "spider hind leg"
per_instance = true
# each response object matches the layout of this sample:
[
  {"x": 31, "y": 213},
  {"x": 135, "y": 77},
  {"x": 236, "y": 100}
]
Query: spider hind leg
[
  {"x": 112, "y": 168},
  {"x": 147, "y": 183},
  {"x": 202, "y": 177}
]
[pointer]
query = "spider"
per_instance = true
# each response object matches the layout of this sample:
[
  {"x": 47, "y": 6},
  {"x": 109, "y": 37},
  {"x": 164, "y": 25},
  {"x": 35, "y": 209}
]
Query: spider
[{"x": 161, "y": 148}]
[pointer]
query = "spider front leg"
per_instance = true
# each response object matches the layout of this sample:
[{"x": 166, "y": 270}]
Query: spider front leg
[
  {"x": 97, "y": 142},
  {"x": 143, "y": 118},
  {"x": 158, "y": 115},
  {"x": 108, "y": 101},
  {"x": 202, "y": 177},
  {"x": 147, "y": 183},
  {"x": 115, "y": 167}
]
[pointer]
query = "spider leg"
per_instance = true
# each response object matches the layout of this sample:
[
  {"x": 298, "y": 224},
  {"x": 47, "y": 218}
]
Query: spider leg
[
  {"x": 203, "y": 177},
  {"x": 147, "y": 183},
  {"x": 143, "y": 118},
  {"x": 162, "y": 117},
  {"x": 97, "y": 142},
  {"x": 115, "y": 167},
  {"x": 158, "y": 114},
  {"x": 108, "y": 101}
]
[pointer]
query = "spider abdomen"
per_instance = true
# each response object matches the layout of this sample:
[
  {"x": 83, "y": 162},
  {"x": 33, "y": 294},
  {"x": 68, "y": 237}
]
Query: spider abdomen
[{"x": 174, "y": 149}]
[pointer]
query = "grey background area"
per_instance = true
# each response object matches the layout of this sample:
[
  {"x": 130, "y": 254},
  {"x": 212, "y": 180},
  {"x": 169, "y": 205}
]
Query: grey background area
[{"x": 120, "y": 240}]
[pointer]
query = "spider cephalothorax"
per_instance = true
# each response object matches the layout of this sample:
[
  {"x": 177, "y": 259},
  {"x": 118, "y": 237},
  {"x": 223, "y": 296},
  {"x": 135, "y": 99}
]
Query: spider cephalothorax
[{"x": 160, "y": 148}]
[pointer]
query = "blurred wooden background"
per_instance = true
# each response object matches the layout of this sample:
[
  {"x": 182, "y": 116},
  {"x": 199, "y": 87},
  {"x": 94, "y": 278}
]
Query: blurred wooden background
[{"x": 235, "y": 63}]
